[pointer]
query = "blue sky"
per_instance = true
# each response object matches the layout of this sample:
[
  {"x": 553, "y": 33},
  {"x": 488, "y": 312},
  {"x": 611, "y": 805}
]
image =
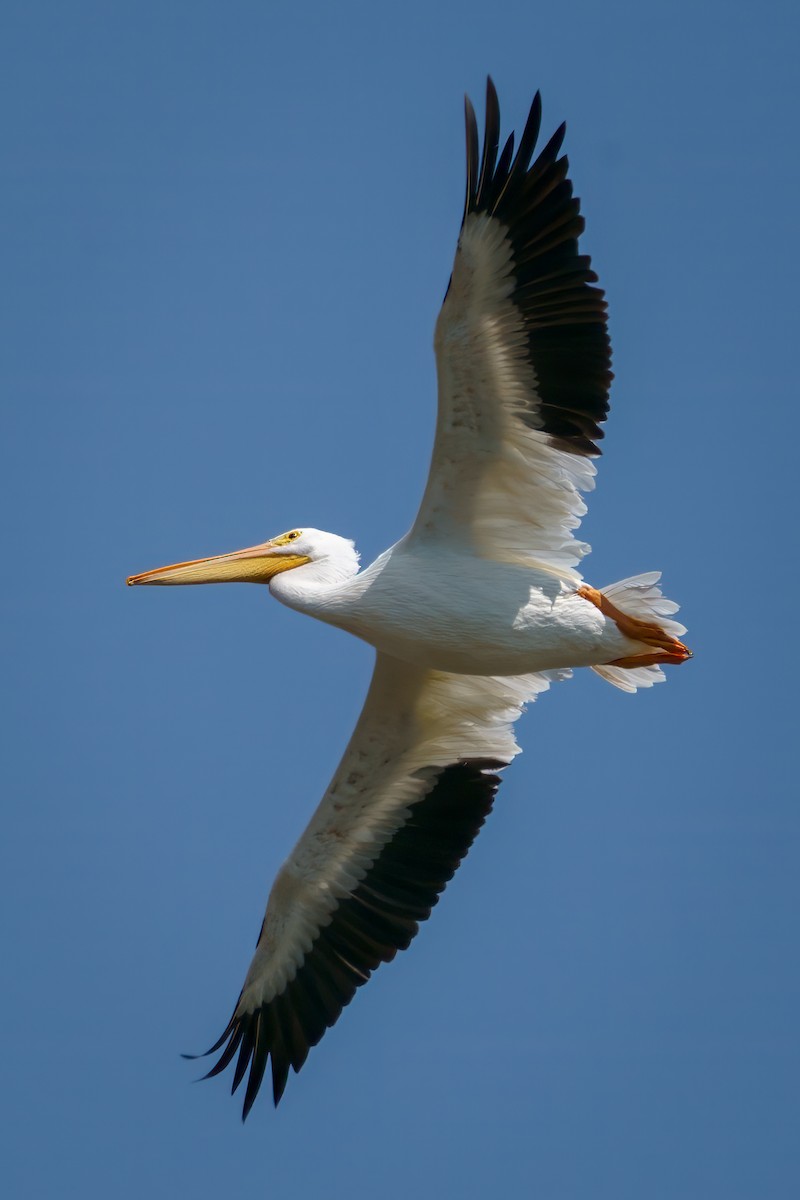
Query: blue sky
[{"x": 228, "y": 230}]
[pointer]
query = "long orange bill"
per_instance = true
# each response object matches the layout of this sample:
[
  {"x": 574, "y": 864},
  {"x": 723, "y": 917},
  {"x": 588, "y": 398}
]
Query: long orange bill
[{"x": 255, "y": 564}]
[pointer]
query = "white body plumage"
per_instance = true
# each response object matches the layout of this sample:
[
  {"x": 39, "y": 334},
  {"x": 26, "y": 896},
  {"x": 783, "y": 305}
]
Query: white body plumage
[{"x": 435, "y": 607}]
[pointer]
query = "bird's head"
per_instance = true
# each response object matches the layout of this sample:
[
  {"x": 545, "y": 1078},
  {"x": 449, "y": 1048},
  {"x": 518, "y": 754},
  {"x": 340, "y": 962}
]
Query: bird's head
[{"x": 336, "y": 556}]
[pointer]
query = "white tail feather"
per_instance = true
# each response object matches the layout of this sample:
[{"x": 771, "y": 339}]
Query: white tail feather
[{"x": 640, "y": 596}]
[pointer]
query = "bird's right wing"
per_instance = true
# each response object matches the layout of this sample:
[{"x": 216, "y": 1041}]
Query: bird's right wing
[{"x": 414, "y": 787}]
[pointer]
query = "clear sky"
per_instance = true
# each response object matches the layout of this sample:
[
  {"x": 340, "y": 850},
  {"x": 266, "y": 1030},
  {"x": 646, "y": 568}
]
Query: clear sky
[{"x": 228, "y": 229}]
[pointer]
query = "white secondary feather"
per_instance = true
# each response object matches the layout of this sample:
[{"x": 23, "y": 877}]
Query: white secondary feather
[
  {"x": 496, "y": 486},
  {"x": 413, "y": 723}
]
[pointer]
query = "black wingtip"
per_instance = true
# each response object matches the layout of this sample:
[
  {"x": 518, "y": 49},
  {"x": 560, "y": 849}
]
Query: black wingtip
[
  {"x": 217, "y": 1044},
  {"x": 550, "y": 152},
  {"x": 280, "y": 1077},
  {"x": 471, "y": 124},
  {"x": 260, "y": 1052},
  {"x": 491, "y": 143},
  {"x": 486, "y": 190}
]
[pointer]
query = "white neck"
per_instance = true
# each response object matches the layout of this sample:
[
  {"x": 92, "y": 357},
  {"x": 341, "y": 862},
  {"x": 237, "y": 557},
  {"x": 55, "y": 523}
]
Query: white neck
[{"x": 311, "y": 587}]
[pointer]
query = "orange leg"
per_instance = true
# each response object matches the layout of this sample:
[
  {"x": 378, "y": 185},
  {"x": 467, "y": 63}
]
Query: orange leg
[{"x": 667, "y": 648}]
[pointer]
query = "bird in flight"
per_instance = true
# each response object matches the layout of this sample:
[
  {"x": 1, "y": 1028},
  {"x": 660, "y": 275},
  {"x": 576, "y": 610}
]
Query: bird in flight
[{"x": 472, "y": 614}]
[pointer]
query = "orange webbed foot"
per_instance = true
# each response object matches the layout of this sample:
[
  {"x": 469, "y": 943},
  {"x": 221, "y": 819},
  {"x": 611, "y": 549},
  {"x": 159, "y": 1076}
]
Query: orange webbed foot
[
  {"x": 658, "y": 658},
  {"x": 668, "y": 649}
]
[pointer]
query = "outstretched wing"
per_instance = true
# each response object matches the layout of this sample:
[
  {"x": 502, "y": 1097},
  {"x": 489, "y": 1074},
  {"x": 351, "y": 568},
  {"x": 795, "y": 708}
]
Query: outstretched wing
[
  {"x": 414, "y": 787},
  {"x": 523, "y": 359}
]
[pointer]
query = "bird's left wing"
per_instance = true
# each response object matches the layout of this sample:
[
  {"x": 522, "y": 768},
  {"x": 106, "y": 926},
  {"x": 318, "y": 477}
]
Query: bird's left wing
[
  {"x": 414, "y": 787},
  {"x": 523, "y": 360}
]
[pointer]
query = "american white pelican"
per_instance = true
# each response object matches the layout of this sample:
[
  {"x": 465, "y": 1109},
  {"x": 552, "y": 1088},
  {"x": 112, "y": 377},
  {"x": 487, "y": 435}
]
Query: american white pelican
[{"x": 472, "y": 614}]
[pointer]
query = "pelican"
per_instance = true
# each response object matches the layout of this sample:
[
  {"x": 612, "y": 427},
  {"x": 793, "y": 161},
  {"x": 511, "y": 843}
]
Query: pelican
[{"x": 472, "y": 614}]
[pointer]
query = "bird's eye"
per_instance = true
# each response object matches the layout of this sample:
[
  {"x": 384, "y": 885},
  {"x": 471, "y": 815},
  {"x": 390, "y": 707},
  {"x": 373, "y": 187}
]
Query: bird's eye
[{"x": 294, "y": 534}]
